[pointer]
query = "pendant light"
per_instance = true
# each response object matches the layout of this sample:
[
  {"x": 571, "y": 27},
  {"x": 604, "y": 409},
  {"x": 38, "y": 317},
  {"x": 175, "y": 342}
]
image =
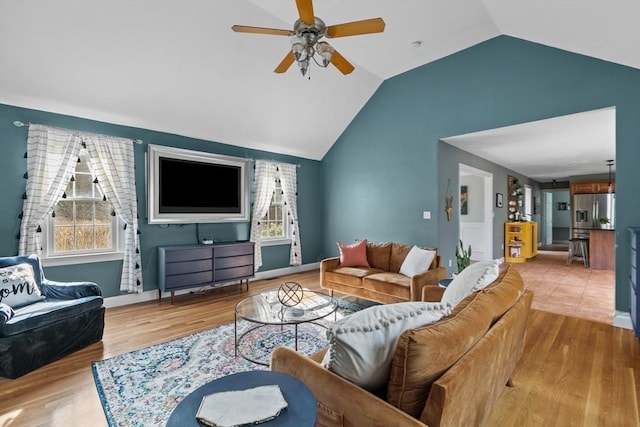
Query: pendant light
[{"x": 610, "y": 184}]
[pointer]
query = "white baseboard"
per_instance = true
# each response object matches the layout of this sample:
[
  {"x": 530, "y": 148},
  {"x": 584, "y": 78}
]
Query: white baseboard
[
  {"x": 622, "y": 319},
  {"x": 152, "y": 295}
]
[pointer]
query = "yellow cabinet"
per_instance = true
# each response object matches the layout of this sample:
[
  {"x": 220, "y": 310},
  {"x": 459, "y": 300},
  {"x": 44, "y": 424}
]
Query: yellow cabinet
[{"x": 520, "y": 241}]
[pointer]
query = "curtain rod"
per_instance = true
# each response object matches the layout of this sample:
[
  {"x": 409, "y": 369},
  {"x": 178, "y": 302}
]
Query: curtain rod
[
  {"x": 19, "y": 124},
  {"x": 298, "y": 165}
]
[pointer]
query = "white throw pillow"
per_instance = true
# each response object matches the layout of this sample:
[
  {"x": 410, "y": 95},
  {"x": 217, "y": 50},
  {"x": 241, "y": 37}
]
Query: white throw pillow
[
  {"x": 473, "y": 278},
  {"x": 417, "y": 261},
  {"x": 362, "y": 344},
  {"x": 18, "y": 286}
]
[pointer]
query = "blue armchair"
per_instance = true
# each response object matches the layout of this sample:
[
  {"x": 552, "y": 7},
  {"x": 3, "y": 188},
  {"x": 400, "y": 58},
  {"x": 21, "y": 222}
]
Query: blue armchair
[{"x": 68, "y": 318}]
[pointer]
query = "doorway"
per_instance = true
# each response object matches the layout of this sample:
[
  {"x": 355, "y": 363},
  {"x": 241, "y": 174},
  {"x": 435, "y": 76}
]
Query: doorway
[
  {"x": 476, "y": 217},
  {"x": 555, "y": 231}
]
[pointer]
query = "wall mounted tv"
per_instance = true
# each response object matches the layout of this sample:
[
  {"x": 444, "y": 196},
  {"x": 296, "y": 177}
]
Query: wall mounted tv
[{"x": 185, "y": 186}]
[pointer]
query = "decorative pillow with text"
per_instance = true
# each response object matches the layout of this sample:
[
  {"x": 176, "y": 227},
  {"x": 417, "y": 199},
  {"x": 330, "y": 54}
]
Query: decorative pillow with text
[{"x": 18, "y": 286}]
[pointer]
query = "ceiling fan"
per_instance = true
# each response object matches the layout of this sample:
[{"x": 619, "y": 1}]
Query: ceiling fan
[{"x": 306, "y": 39}]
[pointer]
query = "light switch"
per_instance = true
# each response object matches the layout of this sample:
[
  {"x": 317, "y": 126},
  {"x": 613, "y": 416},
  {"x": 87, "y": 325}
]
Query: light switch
[{"x": 426, "y": 215}]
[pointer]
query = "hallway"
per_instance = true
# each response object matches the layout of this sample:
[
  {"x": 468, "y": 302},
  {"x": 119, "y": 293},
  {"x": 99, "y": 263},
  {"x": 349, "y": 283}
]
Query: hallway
[{"x": 569, "y": 290}]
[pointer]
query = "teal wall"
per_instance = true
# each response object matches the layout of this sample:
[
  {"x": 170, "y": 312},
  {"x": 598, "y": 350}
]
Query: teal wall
[
  {"x": 107, "y": 274},
  {"x": 385, "y": 168}
]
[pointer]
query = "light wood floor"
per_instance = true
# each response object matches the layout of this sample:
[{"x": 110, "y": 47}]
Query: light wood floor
[{"x": 574, "y": 372}]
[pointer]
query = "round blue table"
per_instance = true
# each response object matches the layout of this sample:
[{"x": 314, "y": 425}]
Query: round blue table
[{"x": 301, "y": 410}]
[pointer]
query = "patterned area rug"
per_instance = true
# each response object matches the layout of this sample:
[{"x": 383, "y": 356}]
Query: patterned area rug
[{"x": 141, "y": 388}]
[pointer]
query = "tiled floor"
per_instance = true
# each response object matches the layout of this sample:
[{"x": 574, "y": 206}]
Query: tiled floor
[{"x": 572, "y": 290}]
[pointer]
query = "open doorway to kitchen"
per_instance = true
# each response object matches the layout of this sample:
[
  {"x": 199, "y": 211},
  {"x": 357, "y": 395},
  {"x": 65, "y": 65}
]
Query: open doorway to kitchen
[{"x": 555, "y": 230}]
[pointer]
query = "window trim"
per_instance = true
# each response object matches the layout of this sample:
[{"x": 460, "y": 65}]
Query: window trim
[{"x": 50, "y": 260}]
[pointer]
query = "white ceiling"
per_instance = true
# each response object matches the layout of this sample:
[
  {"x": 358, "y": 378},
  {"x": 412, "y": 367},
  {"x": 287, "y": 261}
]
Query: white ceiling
[
  {"x": 557, "y": 148},
  {"x": 175, "y": 65}
]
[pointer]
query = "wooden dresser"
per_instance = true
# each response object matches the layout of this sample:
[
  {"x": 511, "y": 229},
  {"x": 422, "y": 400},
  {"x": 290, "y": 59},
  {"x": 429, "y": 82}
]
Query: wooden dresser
[{"x": 190, "y": 266}]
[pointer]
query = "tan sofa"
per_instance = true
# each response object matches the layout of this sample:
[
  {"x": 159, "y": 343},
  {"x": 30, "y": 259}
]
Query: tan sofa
[
  {"x": 449, "y": 373},
  {"x": 382, "y": 282}
]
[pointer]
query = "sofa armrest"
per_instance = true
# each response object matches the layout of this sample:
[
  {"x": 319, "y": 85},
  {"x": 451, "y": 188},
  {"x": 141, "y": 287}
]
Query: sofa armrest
[
  {"x": 69, "y": 290},
  {"x": 428, "y": 278},
  {"x": 432, "y": 293},
  {"x": 340, "y": 402},
  {"x": 328, "y": 264}
]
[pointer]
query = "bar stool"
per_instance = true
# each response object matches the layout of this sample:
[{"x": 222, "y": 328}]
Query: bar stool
[{"x": 578, "y": 248}]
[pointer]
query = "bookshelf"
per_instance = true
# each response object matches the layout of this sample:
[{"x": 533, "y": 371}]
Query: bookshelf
[{"x": 520, "y": 241}]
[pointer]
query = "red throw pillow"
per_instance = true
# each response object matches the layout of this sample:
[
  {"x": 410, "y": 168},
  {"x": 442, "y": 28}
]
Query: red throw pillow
[{"x": 354, "y": 255}]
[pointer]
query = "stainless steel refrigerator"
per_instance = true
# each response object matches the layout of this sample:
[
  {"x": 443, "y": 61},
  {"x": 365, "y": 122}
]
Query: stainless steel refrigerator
[{"x": 592, "y": 211}]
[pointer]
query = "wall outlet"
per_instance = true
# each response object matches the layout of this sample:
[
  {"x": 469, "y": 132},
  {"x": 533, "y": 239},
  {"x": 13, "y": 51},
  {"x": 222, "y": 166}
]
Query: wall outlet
[
  {"x": 449, "y": 263},
  {"x": 426, "y": 215}
]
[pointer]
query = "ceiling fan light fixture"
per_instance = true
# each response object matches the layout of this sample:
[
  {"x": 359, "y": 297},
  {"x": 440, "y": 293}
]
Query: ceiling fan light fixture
[
  {"x": 306, "y": 39},
  {"x": 325, "y": 50},
  {"x": 304, "y": 66}
]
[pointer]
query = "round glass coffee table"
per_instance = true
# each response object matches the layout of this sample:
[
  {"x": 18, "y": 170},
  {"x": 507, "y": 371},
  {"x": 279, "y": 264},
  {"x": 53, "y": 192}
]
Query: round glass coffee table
[{"x": 265, "y": 309}]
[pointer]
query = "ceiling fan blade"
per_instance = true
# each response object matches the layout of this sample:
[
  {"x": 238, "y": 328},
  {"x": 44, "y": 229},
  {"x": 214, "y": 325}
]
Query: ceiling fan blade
[
  {"x": 305, "y": 10},
  {"x": 261, "y": 30},
  {"x": 367, "y": 26},
  {"x": 340, "y": 63},
  {"x": 286, "y": 63}
]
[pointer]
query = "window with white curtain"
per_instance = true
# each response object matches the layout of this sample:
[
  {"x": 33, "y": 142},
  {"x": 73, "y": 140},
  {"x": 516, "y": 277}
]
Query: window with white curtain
[
  {"x": 274, "y": 218},
  {"x": 275, "y": 230},
  {"x": 83, "y": 226}
]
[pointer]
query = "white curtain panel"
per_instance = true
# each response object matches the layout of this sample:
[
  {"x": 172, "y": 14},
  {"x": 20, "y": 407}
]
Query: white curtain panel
[
  {"x": 289, "y": 183},
  {"x": 114, "y": 166},
  {"x": 264, "y": 185},
  {"x": 52, "y": 154},
  {"x": 51, "y": 159}
]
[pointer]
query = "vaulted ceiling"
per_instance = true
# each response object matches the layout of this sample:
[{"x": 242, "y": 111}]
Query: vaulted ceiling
[{"x": 175, "y": 66}]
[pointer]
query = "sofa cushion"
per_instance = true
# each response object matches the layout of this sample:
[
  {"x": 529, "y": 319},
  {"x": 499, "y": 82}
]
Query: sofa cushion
[
  {"x": 45, "y": 312},
  {"x": 417, "y": 261},
  {"x": 398, "y": 254},
  {"x": 349, "y": 276},
  {"x": 18, "y": 285},
  {"x": 362, "y": 344},
  {"x": 354, "y": 255},
  {"x": 503, "y": 292},
  {"x": 395, "y": 284},
  {"x": 378, "y": 255},
  {"x": 475, "y": 277},
  {"x": 424, "y": 353}
]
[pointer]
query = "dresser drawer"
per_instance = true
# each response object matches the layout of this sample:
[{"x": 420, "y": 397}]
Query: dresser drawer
[
  {"x": 233, "y": 250},
  {"x": 238, "y": 261},
  {"x": 187, "y": 280},
  {"x": 235, "y": 273},
  {"x": 191, "y": 254},
  {"x": 188, "y": 267}
]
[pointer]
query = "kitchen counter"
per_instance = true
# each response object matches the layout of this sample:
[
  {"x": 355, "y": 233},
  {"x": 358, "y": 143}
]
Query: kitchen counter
[{"x": 602, "y": 249}]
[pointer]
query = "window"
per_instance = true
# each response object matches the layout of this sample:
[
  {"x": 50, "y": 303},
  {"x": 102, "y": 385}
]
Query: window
[
  {"x": 83, "y": 222},
  {"x": 275, "y": 229}
]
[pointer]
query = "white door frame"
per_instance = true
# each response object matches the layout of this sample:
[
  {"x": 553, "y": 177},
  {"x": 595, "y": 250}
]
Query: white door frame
[{"x": 483, "y": 241}]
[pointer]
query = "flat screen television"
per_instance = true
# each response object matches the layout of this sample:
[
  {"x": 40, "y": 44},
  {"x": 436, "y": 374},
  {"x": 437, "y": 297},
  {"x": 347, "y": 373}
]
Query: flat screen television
[{"x": 185, "y": 186}]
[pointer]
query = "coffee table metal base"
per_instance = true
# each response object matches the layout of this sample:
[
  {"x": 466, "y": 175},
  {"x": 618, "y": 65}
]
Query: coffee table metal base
[{"x": 301, "y": 411}]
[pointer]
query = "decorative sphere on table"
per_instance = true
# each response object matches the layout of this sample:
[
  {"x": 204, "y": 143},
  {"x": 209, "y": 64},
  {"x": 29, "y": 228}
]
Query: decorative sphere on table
[{"x": 290, "y": 294}]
